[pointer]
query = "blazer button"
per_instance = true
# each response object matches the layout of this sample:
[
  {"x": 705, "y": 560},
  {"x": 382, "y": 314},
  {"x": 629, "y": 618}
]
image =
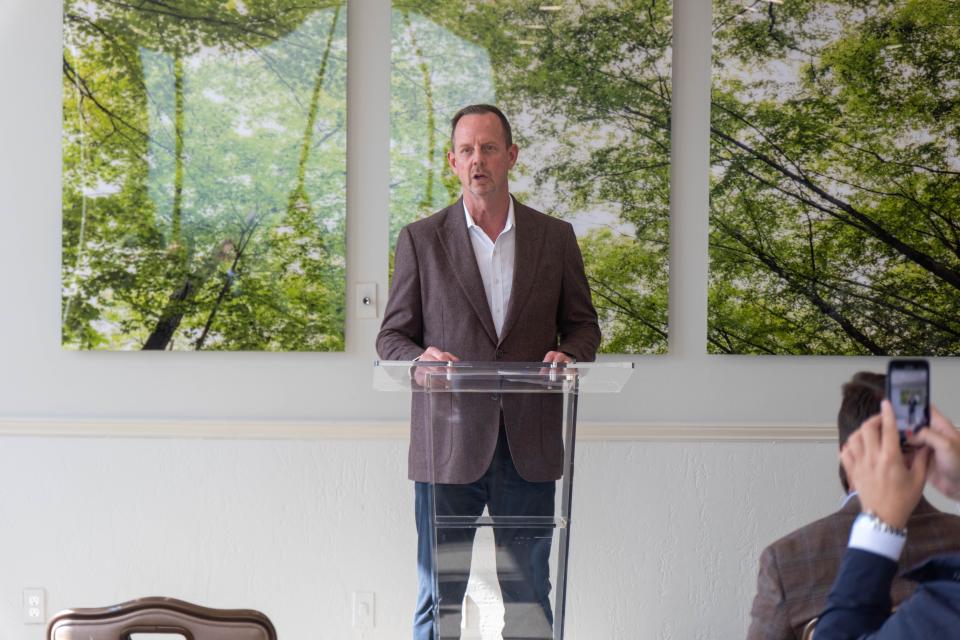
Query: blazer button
[{"x": 499, "y": 353}]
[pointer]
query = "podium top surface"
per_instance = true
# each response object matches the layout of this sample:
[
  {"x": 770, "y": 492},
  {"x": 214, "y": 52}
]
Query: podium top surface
[{"x": 500, "y": 377}]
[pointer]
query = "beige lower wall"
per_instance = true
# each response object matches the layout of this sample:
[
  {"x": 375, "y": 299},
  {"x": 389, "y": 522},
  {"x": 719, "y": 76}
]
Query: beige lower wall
[{"x": 664, "y": 544}]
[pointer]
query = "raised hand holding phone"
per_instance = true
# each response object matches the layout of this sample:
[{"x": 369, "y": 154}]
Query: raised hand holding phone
[{"x": 886, "y": 486}]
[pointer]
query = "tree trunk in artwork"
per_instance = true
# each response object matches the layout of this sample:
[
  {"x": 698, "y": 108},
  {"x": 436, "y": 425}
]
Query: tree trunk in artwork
[
  {"x": 172, "y": 314},
  {"x": 176, "y": 216},
  {"x": 298, "y": 197},
  {"x": 180, "y": 301},
  {"x": 426, "y": 204},
  {"x": 229, "y": 277}
]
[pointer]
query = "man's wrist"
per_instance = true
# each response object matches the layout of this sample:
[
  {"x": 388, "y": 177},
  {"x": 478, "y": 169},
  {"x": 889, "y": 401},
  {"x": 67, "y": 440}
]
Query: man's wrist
[
  {"x": 883, "y": 525},
  {"x": 891, "y": 508},
  {"x": 870, "y": 533}
]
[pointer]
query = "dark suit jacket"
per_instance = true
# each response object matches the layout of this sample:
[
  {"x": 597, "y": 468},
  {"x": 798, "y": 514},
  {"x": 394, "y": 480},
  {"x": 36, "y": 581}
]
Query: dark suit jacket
[
  {"x": 797, "y": 571},
  {"x": 437, "y": 299},
  {"x": 859, "y": 604}
]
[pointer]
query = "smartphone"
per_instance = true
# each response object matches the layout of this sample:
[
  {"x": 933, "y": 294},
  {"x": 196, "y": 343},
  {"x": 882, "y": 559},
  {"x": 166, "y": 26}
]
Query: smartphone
[{"x": 908, "y": 389}]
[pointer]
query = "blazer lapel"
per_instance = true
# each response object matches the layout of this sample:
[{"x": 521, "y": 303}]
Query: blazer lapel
[
  {"x": 529, "y": 243},
  {"x": 455, "y": 240},
  {"x": 923, "y": 507}
]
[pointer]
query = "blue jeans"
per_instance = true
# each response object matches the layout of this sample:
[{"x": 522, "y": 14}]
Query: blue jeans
[{"x": 523, "y": 554}]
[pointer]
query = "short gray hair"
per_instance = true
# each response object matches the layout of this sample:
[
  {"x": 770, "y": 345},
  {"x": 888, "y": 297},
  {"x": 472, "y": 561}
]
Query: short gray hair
[{"x": 477, "y": 109}]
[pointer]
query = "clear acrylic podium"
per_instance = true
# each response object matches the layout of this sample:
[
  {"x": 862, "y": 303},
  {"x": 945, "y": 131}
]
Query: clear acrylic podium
[{"x": 469, "y": 414}]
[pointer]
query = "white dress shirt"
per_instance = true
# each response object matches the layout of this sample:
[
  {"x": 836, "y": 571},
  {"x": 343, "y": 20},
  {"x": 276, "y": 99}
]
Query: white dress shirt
[
  {"x": 496, "y": 261},
  {"x": 865, "y": 537}
]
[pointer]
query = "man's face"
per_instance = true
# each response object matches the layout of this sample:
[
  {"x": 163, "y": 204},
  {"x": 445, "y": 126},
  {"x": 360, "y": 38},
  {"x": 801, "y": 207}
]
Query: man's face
[{"x": 480, "y": 155}]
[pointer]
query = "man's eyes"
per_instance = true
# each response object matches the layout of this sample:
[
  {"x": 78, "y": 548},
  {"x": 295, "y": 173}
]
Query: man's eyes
[{"x": 487, "y": 148}]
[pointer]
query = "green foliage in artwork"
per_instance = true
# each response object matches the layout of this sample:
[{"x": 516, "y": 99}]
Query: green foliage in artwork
[
  {"x": 835, "y": 184},
  {"x": 588, "y": 91},
  {"x": 204, "y": 175}
]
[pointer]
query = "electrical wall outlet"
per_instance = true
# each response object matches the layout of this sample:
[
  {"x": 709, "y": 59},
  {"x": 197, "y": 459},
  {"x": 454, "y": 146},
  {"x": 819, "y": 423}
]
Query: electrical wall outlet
[
  {"x": 34, "y": 606},
  {"x": 364, "y": 608}
]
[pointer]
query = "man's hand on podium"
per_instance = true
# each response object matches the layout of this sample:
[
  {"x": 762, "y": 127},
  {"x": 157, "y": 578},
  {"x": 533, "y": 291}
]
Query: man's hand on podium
[
  {"x": 432, "y": 354},
  {"x": 555, "y": 358},
  {"x": 559, "y": 357}
]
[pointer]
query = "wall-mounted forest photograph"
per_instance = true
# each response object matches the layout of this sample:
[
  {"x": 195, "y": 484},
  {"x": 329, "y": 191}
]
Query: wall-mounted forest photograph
[
  {"x": 835, "y": 178},
  {"x": 586, "y": 86},
  {"x": 204, "y": 175}
]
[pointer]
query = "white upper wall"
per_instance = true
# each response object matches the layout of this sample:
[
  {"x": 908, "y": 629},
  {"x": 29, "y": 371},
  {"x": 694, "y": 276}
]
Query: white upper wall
[{"x": 38, "y": 380}]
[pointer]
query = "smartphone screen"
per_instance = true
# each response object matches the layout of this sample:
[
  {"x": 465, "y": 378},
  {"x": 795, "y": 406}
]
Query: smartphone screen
[{"x": 908, "y": 389}]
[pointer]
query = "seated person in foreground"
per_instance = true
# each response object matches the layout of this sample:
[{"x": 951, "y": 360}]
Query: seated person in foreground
[
  {"x": 796, "y": 571},
  {"x": 859, "y": 605}
]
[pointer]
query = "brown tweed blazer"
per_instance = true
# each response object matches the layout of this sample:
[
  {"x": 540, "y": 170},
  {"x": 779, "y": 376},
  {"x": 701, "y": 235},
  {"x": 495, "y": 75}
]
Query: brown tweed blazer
[
  {"x": 798, "y": 570},
  {"x": 437, "y": 299}
]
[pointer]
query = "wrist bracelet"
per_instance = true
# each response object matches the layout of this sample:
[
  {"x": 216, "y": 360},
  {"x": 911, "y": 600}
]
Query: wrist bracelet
[{"x": 879, "y": 525}]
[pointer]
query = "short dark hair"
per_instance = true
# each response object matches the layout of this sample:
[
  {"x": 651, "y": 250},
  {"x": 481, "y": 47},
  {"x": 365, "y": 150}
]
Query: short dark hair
[
  {"x": 861, "y": 399},
  {"x": 478, "y": 109}
]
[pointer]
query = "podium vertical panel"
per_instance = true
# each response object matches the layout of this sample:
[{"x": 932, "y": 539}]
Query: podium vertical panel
[{"x": 499, "y": 450}]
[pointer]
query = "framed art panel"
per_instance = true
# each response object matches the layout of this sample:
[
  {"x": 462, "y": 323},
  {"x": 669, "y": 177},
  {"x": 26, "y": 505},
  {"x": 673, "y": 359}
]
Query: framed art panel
[
  {"x": 835, "y": 178},
  {"x": 586, "y": 86},
  {"x": 204, "y": 175}
]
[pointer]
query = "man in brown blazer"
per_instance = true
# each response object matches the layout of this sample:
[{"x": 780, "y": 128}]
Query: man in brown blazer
[
  {"x": 798, "y": 570},
  {"x": 487, "y": 279}
]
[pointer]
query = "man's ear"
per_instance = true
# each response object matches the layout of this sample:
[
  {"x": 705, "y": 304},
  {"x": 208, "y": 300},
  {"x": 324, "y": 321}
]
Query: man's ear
[{"x": 513, "y": 153}]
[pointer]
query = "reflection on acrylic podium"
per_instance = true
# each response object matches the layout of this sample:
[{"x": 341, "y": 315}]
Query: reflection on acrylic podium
[{"x": 497, "y": 440}]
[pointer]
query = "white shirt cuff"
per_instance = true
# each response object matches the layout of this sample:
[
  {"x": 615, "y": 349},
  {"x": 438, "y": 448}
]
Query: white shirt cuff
[{"x": 866, "y": 537}]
